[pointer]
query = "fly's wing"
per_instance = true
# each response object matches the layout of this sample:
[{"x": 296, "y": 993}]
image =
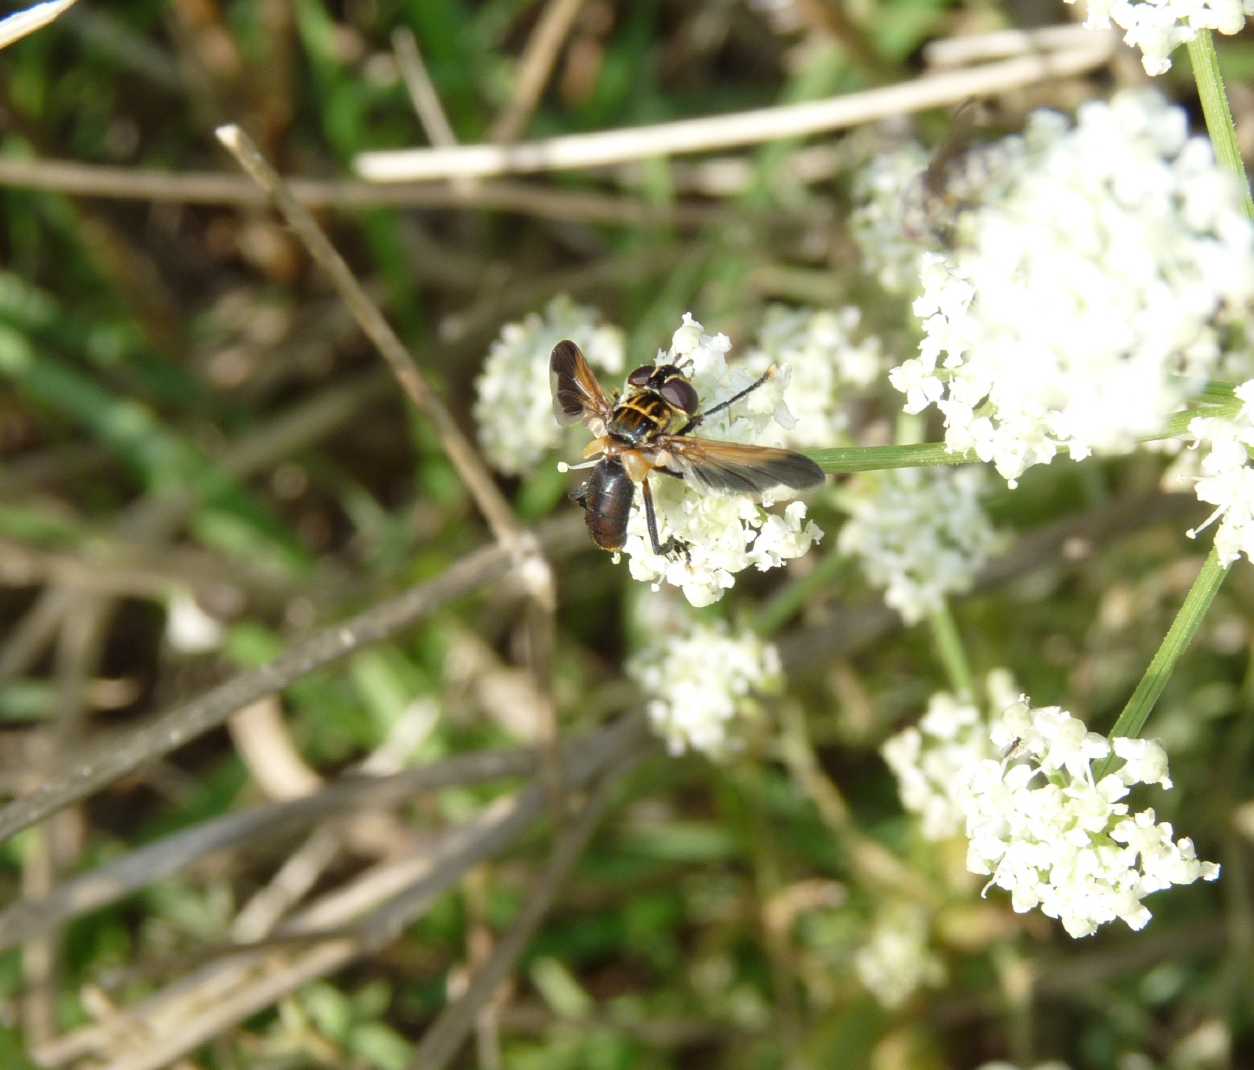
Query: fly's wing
[
  {"x": 741, "y": 469},
  {"x": 576, "y": 393}
]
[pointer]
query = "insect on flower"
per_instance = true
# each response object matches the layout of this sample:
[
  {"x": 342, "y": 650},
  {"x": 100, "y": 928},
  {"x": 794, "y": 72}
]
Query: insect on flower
[{"x": 634, "y": 438}]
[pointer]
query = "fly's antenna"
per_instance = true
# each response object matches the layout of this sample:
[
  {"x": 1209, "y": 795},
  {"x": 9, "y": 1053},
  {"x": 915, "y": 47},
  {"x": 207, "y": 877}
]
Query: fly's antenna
[{"x": 697, "y": 419}]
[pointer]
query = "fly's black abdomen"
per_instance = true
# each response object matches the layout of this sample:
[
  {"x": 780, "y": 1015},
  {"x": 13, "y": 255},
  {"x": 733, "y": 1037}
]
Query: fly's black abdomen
[
  {"x": 606, "y": 499},
  {"x": 639, "y": 417}
]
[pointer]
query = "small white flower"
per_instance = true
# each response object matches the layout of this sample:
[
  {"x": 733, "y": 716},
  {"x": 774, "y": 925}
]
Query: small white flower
[
  {"x": 1145, "y": 762},
  {"x": 702, "y": 686},
  {"x": 896, "y": 960},
  {"x": 1158, "y": 27},
  {"x": 828, "y": 361},
  {"x": 1109, "y": 259},
  {"x": 513, "y": 409},
  {"x": 1226, "y": 478},
  {"x": 919, "y": 533},
  {"x": 724, "y": 533}
]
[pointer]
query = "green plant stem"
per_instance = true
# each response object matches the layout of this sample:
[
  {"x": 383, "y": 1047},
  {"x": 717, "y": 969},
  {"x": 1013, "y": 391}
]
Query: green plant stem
[
  {"x": 951, "y": 651},
  {"x": 1173, "y": 646},
  {"x": 1210, "y": 90},
  {"x": 1215, "y": 400},
  {"x": 843, "y": 459},
  {"x": 789, "y": 600}
]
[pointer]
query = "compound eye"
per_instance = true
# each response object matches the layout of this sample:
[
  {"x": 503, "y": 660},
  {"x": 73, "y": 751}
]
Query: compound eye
[
  {"x": 641, "y": 375},
  {"x": 682, "y": 394}
]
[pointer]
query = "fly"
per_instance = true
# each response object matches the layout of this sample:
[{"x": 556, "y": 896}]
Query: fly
[{"x": 647, "y": 430}]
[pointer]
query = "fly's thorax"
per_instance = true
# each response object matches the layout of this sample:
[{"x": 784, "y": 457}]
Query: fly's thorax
[{"x": 640, "y": 416}]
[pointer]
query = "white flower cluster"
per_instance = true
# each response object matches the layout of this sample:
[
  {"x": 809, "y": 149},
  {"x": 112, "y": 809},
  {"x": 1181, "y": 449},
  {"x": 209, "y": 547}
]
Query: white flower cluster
[
  {"x": 1044, "y": 828},
  {"x": 1158, "y": 27},
  {"x": 512, "y": 407},
  {"x": 1226, "y": 477},
  {"x": 1091, "y": 292},
  {"x": 825, "y": 363},
  {"x": 702, "y": 686},
  {"x": 1038, "y": 822},
  {"x": 931, "y": 761},
  {"x": 724, "y": 533},
  {"x": 896, "y": 960},
  {"x": 919, "y": 533}
]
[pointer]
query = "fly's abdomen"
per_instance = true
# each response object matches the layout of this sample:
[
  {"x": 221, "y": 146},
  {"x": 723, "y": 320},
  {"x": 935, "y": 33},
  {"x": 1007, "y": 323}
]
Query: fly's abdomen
[{"x": 606, "y": 499}]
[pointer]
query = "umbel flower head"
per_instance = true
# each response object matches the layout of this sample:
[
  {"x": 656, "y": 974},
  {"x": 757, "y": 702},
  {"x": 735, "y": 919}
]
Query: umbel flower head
[
  {"x": 512, "y": 408},
  {"x": 1039, "y": 822},
  {"x": 702, "y": 686},
  {"x": 1109, "y": 259},
  {"x": 1158, "y": 27},
  {"x": 920, "y": 534},
  {"x": 725, "y": 533},
  {"x": 1043, "y": 827}
]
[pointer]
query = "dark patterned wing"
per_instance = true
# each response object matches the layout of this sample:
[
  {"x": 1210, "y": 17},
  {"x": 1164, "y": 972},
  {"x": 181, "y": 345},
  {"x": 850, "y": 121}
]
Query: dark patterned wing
[
  {"x": 742, "y": 469},
  {"x": 576, "y": 393}
]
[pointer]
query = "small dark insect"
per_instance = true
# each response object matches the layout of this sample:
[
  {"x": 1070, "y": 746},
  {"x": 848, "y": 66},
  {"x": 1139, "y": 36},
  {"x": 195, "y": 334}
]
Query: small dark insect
[
  {"x": 634, "y": 438},
  {"x": 948, "y": 185}
]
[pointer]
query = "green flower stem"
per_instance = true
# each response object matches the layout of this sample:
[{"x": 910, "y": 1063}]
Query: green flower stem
[
  {"x": 844, "y": 459},
  {"x": 789, "y": 600},
  {"x": 1173, "y": 646},
  {"x": 952, "y": 653},
  {"x": 1210, "y": 90},
  {"x": 1217, "y": 399}
]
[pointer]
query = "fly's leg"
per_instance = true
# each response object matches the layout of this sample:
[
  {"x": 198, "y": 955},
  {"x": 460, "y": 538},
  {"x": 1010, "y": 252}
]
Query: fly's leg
[
  {"x": 650, "y": 518},
  {"x": 695, "y": 421},
  {"x": 672, "y": 546}
]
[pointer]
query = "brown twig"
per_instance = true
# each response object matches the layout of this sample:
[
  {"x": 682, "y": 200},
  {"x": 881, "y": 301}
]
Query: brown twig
[
  {"x": 531, "y": 566},
  {"x": 376, "y": 327},
  {"x": 829, "y": 17},
  {"x": 577, "y": 151},
  {"x": 79, "y": 648},
  {"x": 972, "y": 48},
  {"x": 422, "y": 91},
  {"x": 211, "y": 187},
  {"x": 537, "y": 63},
  {"x": 28, "y": 638}
]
